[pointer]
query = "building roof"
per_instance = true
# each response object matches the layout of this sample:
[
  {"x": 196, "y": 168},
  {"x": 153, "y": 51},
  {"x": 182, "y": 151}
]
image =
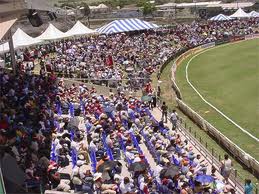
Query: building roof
[{"x": 233, "y": 5}]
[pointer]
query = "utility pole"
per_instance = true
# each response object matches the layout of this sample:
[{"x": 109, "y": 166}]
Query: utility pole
[{"x": 12, "y": 52}]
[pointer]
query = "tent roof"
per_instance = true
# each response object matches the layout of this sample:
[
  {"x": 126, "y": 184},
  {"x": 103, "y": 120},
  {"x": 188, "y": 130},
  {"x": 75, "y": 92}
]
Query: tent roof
[
  {"x": 240, "y": 14},
  {"x": 79, "y": 29},
  {"x": 20, "y": 39},
  {"x": 126, "y": 25},
  {"x": 254, "y": 14},
  {"x": 220, "y": 17},
  {"x": 102, "y": 6},
  {"x": 52, "y": 33}
]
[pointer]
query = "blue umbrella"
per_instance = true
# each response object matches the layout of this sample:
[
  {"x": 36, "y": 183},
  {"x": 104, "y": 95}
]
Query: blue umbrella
[
  {"x": 204, "y": 179},
  {"x": 108, "y": 109}
]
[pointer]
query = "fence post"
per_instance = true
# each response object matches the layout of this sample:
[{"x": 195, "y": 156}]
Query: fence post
[
  {"x": 206, "y": 145},
  {"x": 219, "y": 158},
  {"x": 185, "y": 125},
  {"x": 235, "y": 178},
  {"x": 195, "y": 134},
  {"x": 212, "y": 151},
  {"x": 190, "y": 129}
]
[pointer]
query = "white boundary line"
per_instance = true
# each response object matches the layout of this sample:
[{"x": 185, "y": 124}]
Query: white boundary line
[{"x": 211, "y": 105}]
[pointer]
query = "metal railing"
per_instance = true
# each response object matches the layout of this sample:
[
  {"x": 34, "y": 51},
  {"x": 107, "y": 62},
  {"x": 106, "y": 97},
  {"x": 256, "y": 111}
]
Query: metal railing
[{"x": 2, "y": 185}]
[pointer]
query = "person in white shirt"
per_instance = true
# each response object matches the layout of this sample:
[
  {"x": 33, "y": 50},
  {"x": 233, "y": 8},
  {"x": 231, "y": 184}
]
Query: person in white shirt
[
  {"x": 226, "y": 167},
  {"x": 174, "y": 119},
  {"x": 126, "y": 186},
  {"x": 92, "y": 146}
]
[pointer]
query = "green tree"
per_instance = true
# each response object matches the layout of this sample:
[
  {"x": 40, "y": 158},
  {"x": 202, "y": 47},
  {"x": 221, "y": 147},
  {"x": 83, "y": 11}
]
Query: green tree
[{"x": 148, "y": 8}]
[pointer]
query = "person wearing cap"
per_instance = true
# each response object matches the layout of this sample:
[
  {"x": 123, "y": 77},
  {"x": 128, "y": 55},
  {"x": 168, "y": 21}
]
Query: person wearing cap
[{"x": 103, "y": 188}]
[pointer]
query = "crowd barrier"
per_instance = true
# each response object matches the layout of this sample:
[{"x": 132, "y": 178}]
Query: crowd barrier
[
  {"x": 251, "y": 36},
  {"x": 240, "y": 155}
]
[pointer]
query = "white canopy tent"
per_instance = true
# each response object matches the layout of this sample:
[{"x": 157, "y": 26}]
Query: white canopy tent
[
  {"x": 51, "y": 33},
  {"x": 20, "y": 39},
  {"x": 79, "y": 29},
  {"x": 240, "y": 14},
  {"x": 254, "y": 14},
  {"x": 102, "y": 6},
  {"x": 220, "y": 17}
]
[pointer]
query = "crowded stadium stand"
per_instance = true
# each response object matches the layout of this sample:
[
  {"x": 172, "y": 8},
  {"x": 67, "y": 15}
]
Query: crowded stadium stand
[{"x": 58, "y": 137}]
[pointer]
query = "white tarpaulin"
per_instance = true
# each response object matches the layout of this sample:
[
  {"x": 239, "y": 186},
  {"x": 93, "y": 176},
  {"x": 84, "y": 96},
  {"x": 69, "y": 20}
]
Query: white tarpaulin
[
  {"x": 240, "y": 14},
  {"x": 51, "y": 33},
  {"x": 20, "y": 39},
  {"x": 254, "y": 14},
  {"x": 79, "y": 29}
]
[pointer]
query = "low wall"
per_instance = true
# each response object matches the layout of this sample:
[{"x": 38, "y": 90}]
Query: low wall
[
  {"x": 176, "y": 63},
  {"x": 237, "y": 152}
]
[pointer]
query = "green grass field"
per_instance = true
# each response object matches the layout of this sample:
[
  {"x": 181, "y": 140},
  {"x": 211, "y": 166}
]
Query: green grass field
[{"x": 228, "y": 77}]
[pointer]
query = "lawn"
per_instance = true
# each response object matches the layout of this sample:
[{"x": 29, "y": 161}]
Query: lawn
[{"x": 227, "y": 77}]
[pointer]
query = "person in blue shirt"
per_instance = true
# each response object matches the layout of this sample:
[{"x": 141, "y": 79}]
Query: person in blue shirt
[{"x": 248, "y": 186}]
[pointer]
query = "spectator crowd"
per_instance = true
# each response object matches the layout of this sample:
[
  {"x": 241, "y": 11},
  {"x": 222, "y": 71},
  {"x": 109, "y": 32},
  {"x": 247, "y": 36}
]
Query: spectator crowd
[
  {"x": 69, "y": 138},
  {"x": 128, "y": 59}
]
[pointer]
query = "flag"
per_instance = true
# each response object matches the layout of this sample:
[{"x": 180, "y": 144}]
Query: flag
[
  {"x": 58, "y": 108},
  {"x": 71, "y": 109},
  {"x": 82, "y": 107},
  {"x": 109, "y": 61}
]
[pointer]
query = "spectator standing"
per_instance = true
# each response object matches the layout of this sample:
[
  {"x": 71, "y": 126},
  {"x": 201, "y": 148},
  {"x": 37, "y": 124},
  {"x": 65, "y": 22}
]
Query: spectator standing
[
  {"x": 248, "y": 186},
  {"x": 226, "y": 167},
  {"x": 154, "y": 98},
  {"x": 174, "y": 118},
  {"x": 164, "y": 112}
]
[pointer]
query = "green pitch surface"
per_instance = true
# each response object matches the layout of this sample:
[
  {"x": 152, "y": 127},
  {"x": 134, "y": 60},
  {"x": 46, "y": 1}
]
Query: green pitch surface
[{"x": 227, "y": 77}]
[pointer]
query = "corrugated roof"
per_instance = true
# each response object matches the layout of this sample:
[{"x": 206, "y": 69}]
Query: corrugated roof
[{"x": 233, "y": 5}]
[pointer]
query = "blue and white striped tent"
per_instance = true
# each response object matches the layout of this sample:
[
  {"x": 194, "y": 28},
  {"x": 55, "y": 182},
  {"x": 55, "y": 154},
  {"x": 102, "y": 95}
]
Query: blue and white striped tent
[
  {"x": 254, "y": 14},
  {"x": 220, "y": 17},
  {"x": 126, "y": 25}
]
